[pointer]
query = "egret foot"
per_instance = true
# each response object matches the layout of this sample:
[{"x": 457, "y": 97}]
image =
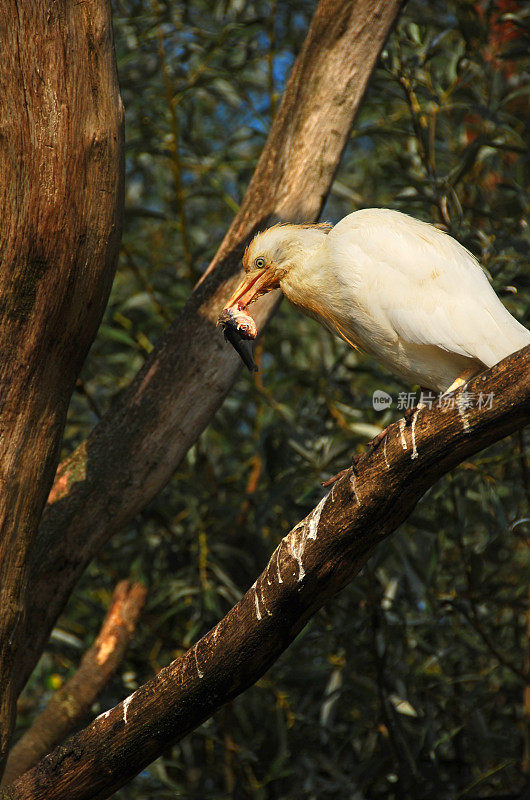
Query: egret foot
[
  {"x": 462, "y": 380},
  {"x": 335, "y": 478}
]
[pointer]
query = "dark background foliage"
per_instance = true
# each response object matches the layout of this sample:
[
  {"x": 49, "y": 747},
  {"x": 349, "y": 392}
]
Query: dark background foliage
[{"x": 411, "y": 683}]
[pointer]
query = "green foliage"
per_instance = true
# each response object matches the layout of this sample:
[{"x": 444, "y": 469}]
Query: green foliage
[{"x": 410, "y": 683}]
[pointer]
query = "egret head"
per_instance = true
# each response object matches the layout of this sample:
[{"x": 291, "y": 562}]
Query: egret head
[{"x": 271, "y": 255}]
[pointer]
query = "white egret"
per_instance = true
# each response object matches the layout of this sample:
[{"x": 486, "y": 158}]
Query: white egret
[{"x": 391, "y": 286}]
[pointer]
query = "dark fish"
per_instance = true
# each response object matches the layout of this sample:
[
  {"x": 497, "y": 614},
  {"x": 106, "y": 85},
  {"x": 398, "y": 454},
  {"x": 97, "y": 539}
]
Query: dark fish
[{"x": 239, "y": 329}]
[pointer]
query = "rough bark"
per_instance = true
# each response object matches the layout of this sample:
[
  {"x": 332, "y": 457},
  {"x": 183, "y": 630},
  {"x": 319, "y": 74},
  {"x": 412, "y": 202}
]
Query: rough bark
[
  {"x": 60, "y": 194},
  {"x": 72, "y": 702},
  {"x": 137, "y": 446},
  {"x": 314, "y": 561}
]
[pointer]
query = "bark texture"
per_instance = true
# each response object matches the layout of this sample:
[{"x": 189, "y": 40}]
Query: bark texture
[
  {"x": 314, "y": 561},
  {"x": 137, "y": 446},
  {"x": 60, "y": 194},
  {"x": 72, "y": 702}
]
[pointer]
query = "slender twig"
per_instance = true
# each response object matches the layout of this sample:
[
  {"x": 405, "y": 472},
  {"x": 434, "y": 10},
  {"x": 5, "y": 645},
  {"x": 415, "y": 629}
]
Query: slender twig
[
  {"x": 176, "y": 167},
  {"x": 144, "y": 283},
  {"x": 270, "y": 58},
  {"x": 81, "y": 388},
  {"x": 525, "y": 473},
  {"x": 473, "y": 618}
]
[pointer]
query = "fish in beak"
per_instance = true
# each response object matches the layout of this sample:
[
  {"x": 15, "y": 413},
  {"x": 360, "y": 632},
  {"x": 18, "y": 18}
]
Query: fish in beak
[
  {"x": 239, "y": 329},
  {"x": 238, "y": 326}
]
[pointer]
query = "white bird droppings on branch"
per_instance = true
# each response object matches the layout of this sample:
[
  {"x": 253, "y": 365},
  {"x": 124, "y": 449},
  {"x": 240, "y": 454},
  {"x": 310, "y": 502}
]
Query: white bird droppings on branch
[
  {"x": 413, "y": 435},
  {"x": 269, "y": 613},
  {"x": 256, "y": 603},
  {"x": 314, "y": 519},
  {"x": 353, "y": 483},
  {"x": 384, "y": 453},
  {"x": 402, "y": 424},
  {"x": 200, "y": 673},
  {"x": 296, "y": 541},
  {"x": 461, "y": 404},
  {"x": 278, "y": 564},
  {"x": 126, "y": 704}
]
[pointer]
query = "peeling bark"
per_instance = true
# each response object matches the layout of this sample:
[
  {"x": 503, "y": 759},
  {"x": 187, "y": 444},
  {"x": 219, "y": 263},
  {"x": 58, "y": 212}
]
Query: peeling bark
[
  {"x": 60, "y": 193},
  {"x": 130, "y": 456},
  {"x": 313, "y": 562}
]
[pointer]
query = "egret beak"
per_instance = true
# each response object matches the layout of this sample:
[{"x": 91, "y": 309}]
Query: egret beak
[{"x": 250, "y": 288}]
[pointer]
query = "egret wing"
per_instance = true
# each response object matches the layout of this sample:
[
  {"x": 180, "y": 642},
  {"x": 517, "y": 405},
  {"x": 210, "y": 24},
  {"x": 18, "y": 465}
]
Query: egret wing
[{"x": 425, "y": 286}]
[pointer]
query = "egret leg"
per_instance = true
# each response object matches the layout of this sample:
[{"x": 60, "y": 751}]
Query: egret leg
[{"x": 461, "y": 380}]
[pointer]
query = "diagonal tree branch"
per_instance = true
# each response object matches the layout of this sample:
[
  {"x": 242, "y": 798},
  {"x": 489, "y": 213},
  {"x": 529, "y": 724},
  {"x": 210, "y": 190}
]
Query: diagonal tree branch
[
  {"x": 134, "y": 450},
  {"x": 72, "y": 702},
  {"x": 313, "y": 562}
]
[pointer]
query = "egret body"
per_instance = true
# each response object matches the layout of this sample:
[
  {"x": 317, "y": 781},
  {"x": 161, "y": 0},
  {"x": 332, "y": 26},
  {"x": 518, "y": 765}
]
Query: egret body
[{"x": 391, "y": 286}]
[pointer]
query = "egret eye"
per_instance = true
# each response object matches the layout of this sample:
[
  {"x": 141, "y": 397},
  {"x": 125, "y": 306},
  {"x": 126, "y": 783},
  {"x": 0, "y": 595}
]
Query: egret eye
[{"x": 259, "y": 263}]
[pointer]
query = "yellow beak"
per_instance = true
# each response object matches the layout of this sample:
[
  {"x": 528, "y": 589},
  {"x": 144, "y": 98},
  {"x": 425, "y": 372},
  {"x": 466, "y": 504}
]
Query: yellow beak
[{"x": 249, "y": 289}]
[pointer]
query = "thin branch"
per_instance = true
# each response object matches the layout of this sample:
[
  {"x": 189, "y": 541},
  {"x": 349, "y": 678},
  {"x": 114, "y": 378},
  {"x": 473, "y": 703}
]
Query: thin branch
[
  {"x": 80, "y": 387},
  {"x": 473, "y": 618},
  {"x": 311, "y": 563},
  {"x": 176, "y": 166},
  {"x": 525, "y": 761},
  {"x": 270, "y": 58},
  {"x": 73, "y": 701},
  {"x": 144, "y": 283},
  {"x": 474, "y": 622},
  {"x": 525, "y": 474}
]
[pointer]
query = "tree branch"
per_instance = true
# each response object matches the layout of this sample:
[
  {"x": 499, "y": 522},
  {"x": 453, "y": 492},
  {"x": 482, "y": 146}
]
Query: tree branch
[
  {"x": 313, "y": 562},
  {"x": 61, "y": 191},
  {"x": 72, "y": 702},
  {"x": 134, "y": 450}
]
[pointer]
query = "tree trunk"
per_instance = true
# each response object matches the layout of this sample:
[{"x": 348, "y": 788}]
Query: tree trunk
[
  {"x": 137, "y": 446},
  {"x": 61, "y": 186},
  {"x": 313, "y": 562}
]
